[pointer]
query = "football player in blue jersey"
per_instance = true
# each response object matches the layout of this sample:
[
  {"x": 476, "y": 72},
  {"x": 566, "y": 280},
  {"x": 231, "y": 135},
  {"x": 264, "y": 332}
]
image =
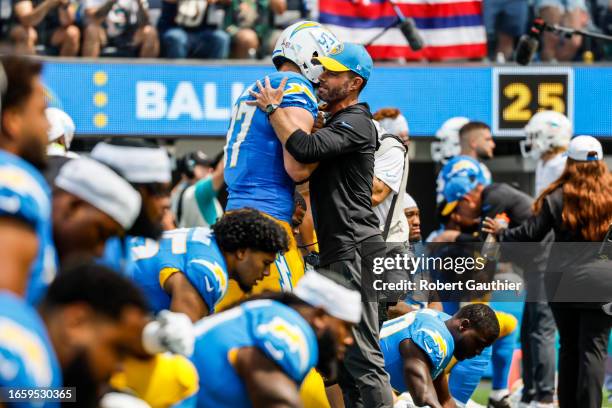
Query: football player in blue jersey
[
  {"x": 475, "y": 144},
  {"x": 147, "y": 168},
  {"x": 27, "y": 356},
  {"x": 26, "y": 244},
  {"x": 258, "y": 353},
  {"x": 419, "y": 346},
  {"x": 188, "y": 269},
  {"x": 88, "y": 210},
  {"x": 80, "y": 336},
  {"x": 258, "y": 171}
]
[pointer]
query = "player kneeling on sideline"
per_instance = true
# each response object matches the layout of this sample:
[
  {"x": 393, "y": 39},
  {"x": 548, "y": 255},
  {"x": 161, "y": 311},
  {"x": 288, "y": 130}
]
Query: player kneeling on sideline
[
  {"x": 187, "y": 271},
  {"x": 419, "y": 345},
  {"x": 258, "y": 353}
]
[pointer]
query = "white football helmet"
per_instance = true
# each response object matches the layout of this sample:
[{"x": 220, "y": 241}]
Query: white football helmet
[
  {"x": 545, "y": 130},
  {"x": 302, "y": 41},
  {"x": 448, "y": 136},
  {"x": 60, "y": 124}
]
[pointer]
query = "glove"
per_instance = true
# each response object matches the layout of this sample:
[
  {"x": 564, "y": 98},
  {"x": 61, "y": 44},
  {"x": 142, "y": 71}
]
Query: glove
[
  {"x": 171, "y": 332},
  {"x": 121, "y": 400}
]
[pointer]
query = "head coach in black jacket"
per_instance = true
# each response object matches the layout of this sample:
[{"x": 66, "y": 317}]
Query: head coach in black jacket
[{"x": 339, "y": 159}]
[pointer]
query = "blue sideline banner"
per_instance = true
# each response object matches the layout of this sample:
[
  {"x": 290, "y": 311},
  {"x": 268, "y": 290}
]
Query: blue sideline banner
[{"x": 194, "y": 100}]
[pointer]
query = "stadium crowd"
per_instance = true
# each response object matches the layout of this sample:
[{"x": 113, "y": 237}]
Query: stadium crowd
[
  {"x": 260, "y": 298},
  {"x": 222, "y": 29}
]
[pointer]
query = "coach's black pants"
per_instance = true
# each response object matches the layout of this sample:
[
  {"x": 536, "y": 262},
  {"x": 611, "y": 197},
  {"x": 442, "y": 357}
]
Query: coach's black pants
[
  {"x": 583, "y": 335},
  {"x": 362, "y": 377},
  {"x": 538, "y": 346}
]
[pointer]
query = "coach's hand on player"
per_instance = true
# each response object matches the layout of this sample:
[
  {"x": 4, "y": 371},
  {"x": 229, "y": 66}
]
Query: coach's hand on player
[
  {"x": 171, "y": 332},
  {"x": 267, "y": 95},
  {"x": 319, "y": 122}
]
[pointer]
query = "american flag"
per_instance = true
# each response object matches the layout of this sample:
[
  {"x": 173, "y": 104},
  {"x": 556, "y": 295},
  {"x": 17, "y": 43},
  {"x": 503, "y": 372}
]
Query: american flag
[{"x": 451, "y": 29}]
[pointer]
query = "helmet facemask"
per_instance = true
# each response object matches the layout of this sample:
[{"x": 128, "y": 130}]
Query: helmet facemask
[{"x": 300, "y": 43}]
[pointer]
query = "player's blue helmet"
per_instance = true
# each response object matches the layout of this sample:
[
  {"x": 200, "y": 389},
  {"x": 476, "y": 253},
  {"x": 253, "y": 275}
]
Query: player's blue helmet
[{"x": 302, "y": 41}]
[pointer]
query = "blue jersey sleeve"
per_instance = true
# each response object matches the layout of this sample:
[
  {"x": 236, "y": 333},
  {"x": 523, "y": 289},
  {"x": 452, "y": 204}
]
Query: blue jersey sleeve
[
  {"x": 299, "y": 93},
  {"x": 209, "y": 279},
  {"x": 433, "y": 342},
  {"x": 283, "y": 335},
  {"x": 26, "y": 355},
  {"x": 21, "y": 195}
]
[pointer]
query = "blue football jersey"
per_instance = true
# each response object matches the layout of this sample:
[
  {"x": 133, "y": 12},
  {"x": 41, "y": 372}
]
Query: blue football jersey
[
  {"x": 275, "y": 329},
  {"x": 461, "y": 165},
  {"x": 427, "y": 330},
  {"x": 27, "y": 359},
  {"x": 116, "y": 253},
  {"x": 191, "y": 251},
  {"x": 254, "y": 169},
  {"x": 25, "y": 194}
]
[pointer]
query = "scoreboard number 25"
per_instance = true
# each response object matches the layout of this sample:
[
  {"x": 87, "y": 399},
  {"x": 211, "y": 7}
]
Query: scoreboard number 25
[{"x": 521, "y": 93}]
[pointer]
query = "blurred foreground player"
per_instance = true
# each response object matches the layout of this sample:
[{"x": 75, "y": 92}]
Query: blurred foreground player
[
  {"x": 26, "y": 245},
  {"x": 87, "y": 210},
  {"x": 147, "y": 168},
  {"x": 81, "y": 336},
  {"x": 258, "y": 353},
  {"x": 258, "y": 171},
  {"x": 188, "y": 269},
  {"x": 419, "y": 346}
]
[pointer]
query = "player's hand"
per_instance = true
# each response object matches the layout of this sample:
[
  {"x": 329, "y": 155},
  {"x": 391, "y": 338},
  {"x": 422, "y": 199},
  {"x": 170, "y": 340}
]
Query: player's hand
[
  {"x": 171, "y": 332},
  {"x": 267, "y": 95},
  {"x": 491, "y": 226},
  {"x": 319, "y": 122}
]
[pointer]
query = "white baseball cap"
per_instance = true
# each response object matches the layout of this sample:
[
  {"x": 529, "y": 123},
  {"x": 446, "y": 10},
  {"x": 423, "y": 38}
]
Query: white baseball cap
[
  {"x": 337, "y": 300},
  {"x": 585, "y": 148},
  {"x": 136, "y": 164},
  {"x": 101, "y": 187}
]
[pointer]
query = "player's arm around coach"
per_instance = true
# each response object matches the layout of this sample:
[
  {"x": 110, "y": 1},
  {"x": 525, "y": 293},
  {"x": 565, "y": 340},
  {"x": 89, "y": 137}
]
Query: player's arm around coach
[
  {"x": 344, "y": 131},
  {"x": 341, "y": 197}
]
